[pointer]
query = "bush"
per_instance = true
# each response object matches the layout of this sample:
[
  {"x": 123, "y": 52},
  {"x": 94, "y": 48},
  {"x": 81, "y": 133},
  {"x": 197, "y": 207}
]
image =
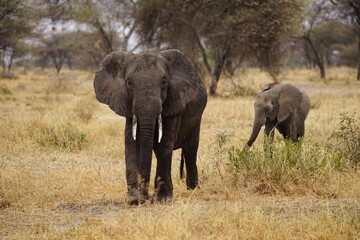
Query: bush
[
  {"x": 290, "y": 170},
  {"x": 66, "y": 137},
  {"x": 344, "y": 142},
  {"x": 5, "y": 91}
]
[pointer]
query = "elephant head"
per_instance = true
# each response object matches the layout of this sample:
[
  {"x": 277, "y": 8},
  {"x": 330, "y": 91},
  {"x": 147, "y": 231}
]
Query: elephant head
[
  {"x": 274, "y": 103},
  {"x": 146, "y": 87}
]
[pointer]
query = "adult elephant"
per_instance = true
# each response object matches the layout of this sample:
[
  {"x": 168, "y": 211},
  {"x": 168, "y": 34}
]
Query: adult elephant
[
  {"x": 280, "y": 106},
  {"x": 162, "y": 98}
]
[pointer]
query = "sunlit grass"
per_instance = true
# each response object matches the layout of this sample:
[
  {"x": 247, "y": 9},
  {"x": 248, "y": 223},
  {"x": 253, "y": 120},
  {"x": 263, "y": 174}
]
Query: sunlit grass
[{"x": 62, "y": 168}]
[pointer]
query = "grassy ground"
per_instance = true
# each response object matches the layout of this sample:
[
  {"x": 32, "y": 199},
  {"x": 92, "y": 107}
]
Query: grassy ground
[{"x": 62, "y": 165}]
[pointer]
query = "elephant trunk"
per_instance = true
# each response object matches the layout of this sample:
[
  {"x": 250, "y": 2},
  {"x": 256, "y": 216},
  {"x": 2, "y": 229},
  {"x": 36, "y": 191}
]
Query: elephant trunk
[
  {"x": 258, "y": 123},
  {"x": 147, "y": 107},
  {"x": 146, "y": 138}
]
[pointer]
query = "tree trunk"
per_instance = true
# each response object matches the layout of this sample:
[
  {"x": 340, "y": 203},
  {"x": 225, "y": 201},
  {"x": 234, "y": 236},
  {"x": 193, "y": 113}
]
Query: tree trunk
[
  {"x": 204, "y": 56},
  {"x": 108, "y": 48},
  {"x": 321, "y": 66},
  {"x": 127, "y": 37},
  {"x": 3, "y": 60},
  {"x": 11, "y": 62},
  {"x": 69, "y": 62},
  {"x": 219, "y": 64},
  {"x": 215, "y": 77},
  {"x": 308, "y": 57},
  {"x": 318, "y": 59},
  {"x": 213, "y": 85},
  {"x": 58, "y": 62},
  {"x": 328, "y": 57},
  {"x": 217, "y": 72}
]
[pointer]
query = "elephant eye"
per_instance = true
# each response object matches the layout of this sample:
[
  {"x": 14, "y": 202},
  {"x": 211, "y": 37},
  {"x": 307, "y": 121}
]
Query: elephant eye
[
  {"x": 163, "y": 82},
  {"x": 129, "y": 83}
]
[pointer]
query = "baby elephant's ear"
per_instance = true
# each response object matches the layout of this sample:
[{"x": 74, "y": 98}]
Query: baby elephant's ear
[
  {"x": 109, "y": 84},
  {"x": 289, "y": 99},
  {"x": 185, "y": 85}
]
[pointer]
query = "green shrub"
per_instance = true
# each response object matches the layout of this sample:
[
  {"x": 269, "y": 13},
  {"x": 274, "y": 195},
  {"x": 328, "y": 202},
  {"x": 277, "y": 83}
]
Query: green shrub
[
  {"x": 291, "y": 168},
  {"x": 66, "y": 137},
  {"x": 344, "y": 142},
  {"x": 5, "y": 91}
]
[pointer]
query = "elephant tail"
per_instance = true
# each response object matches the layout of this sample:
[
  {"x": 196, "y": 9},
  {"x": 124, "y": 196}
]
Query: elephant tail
[{"x": 182, "y": 161}]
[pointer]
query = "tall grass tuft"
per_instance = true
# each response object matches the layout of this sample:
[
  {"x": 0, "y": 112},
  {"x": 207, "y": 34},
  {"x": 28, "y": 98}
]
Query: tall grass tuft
[
  {"x": 84, "y": 109},
  {"x": 4, "y": 90},
  {"x": 291, "y": 170},
  {"x": 66, "y": 137}
]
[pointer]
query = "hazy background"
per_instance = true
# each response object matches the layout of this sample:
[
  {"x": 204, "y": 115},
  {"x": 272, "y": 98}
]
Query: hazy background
[{"x": 219, "y": 36}]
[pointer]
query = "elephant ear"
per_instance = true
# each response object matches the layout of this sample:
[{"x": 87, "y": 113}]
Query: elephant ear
[
  {"x": 289, "y": 99},
  {"x": 185, "y": 85},
  {"x": 109, "y": 84}
]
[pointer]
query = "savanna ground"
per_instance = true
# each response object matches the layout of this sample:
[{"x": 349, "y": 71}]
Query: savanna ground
[{"x": 62, "y": 168}]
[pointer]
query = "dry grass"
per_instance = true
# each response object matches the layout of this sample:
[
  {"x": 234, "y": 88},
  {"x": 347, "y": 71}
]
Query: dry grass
[{"x": 62, "y": 170}]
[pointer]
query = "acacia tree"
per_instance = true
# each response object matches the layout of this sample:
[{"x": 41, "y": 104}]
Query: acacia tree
[
  {"x": 14, "y": 26},
  {"x": 58, "y": 49},
  {"x": 334, "y": 36},
  {"x": 316, "y": 14},
  {"x": 112, "y": 20},
  {"x": 218, "y": 30}
]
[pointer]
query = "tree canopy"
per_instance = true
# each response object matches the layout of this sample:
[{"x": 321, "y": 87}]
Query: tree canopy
[
  {"x": 219, "y": 36},
  {"x": 223, "y": 31},
  {"x": 14, "y": 26}
]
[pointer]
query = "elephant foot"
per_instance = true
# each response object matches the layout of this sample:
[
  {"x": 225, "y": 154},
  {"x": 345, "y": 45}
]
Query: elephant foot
[
  {"x": 134, "y": 200},
  {"x": 134, "y": 197},
  {"x": 162, "y": 197}
]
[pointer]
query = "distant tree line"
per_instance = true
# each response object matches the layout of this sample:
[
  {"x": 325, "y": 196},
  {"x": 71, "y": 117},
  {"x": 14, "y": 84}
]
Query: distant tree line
[{"x": 219, "y": 36}]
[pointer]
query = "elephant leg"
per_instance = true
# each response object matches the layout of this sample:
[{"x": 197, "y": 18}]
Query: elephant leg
[
  {"x": 284, "y": 130},
  {"x": 132, "y": 166},
  {"x": 163, "y": 181},
  {"x": 190, "y": 149},
  {"x": 301, "y": 129},
  {"x": 163, "y": 152},
  {"x": 293, "y": 132},
  {"x": 269, "y": 139}
]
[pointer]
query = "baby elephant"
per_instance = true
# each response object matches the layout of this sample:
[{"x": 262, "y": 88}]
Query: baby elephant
[{"x": 280, "y": 106}]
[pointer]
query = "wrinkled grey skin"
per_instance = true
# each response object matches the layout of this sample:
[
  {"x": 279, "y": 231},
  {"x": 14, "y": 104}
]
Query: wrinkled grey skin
[
  {"x": 280, "y": 106},
  {"x": 141, "y": 87}
]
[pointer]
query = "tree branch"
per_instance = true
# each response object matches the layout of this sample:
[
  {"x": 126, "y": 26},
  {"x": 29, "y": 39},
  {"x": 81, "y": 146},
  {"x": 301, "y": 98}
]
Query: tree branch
[
  {"x": 9, "y": 9},
  {"x": 356, "y": 8},
  {"x": 203, "y": 54}
]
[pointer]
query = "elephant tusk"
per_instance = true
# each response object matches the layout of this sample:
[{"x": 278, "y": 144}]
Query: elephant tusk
[
  {"x": 134, "y": 127},
  {"x": 160, "y": 128}
]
